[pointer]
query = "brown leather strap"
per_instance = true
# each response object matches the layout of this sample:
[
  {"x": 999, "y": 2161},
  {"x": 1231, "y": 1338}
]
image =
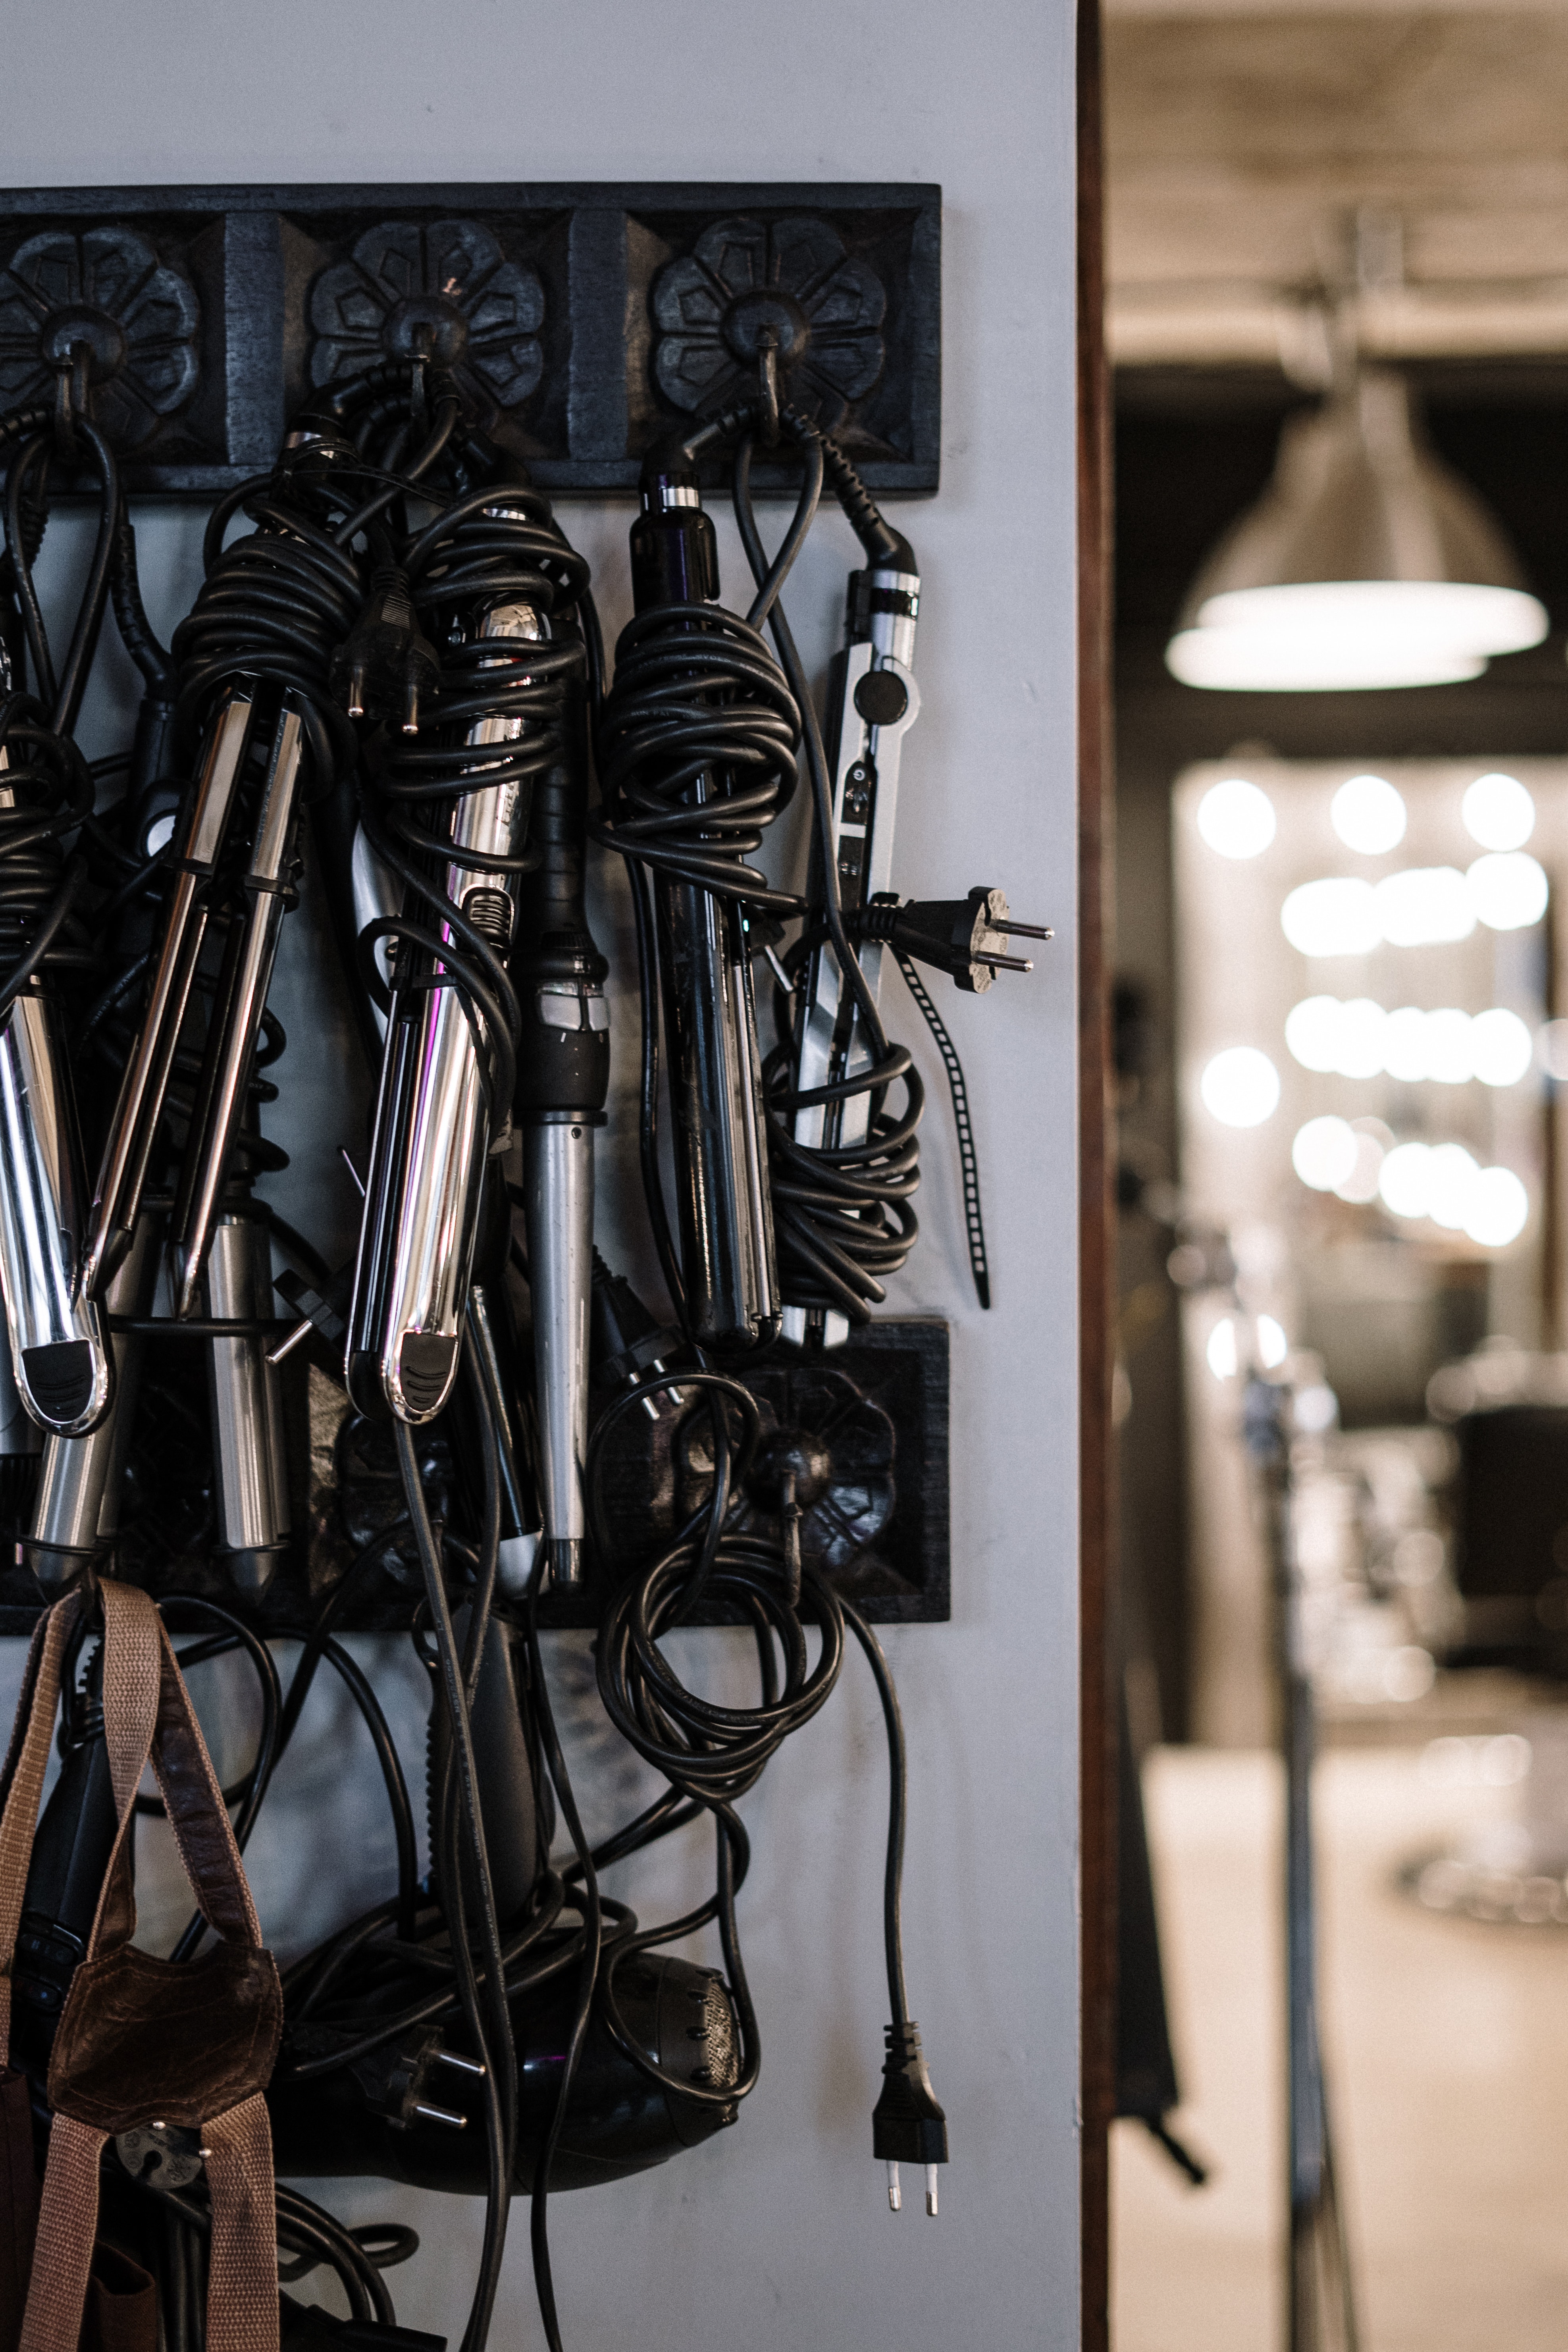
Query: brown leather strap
[
  {"x": 148, "y": 1715},
  {"x": 32, "y": 1732},
  {"x": 68, "y": 2224},
  {"x": 242, "y": 2283}
]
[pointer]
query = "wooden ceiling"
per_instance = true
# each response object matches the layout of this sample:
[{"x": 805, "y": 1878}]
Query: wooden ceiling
[{"x": 1243, "y": 140}]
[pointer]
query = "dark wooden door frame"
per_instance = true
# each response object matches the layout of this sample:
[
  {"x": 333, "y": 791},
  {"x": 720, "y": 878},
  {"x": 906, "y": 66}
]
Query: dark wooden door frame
[{"x": 1097, "y": 1761}]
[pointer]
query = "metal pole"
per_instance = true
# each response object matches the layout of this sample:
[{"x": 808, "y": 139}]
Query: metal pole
[{"x": 1320, "y": 2297}]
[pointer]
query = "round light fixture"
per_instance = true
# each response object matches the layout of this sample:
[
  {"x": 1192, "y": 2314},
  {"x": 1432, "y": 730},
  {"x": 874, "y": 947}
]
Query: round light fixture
[
  {"x": 1501, "y": 1047},
  {"x": 1368, "y": 815},
  {"x": 1424, "y": 906},
  {"x": 1372, "y": 1140},
  {"x": 1508, "y": 889},
  {"x": 1324, "y": 1153},
  {"x": 1498, "y": 812},
  {"x": 1240, "y": 1087},
  {"x": 1273, "y": 1347},
  {"x": 1499, "y": 1208},
  {"x": 1312, "y": 1032},
  {"x": 1235, "y": 818},
  {"x": 1335, "y": 917},
  {"x": 1405, "y": 1046},
  {"x": 1405, "y": 1182},
  {"x": 1221, "y": 1349},
  {"x": 1365, "y": 563}
]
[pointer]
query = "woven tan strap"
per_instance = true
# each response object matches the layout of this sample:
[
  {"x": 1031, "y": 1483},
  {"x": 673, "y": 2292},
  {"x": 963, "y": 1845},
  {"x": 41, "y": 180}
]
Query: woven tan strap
[
  {"x": 68, "y": 2224},
  {"x": 26, "y": 1765},
  {"x": 242, "y": 2283}
]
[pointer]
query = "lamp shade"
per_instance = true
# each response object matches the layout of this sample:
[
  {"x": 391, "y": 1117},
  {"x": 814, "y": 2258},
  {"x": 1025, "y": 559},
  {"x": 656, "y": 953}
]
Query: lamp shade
[{"x": 1367, "y": 563}]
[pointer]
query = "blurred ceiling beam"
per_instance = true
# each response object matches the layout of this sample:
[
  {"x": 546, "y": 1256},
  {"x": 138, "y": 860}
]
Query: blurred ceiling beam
[{"x": 1239, "y": 140}]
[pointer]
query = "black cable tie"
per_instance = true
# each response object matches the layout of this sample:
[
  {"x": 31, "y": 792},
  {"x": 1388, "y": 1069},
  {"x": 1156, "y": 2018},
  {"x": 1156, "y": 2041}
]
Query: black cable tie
[{"x": 973, "y": 1224}]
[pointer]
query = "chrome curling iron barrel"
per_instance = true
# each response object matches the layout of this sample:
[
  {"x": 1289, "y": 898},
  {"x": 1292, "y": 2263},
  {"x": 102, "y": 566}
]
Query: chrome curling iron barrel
[
  {"x": 63, "y": 1369},
  {"x": 496, "y": 584},
  {"x": 562, "y": 1079},
  {"x": 254, "y": 706},
  {"x": 59, "y": 1347}
]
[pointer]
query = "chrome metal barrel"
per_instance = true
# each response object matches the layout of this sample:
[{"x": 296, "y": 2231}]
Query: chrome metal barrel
[{"x": 428, "y": 1157}]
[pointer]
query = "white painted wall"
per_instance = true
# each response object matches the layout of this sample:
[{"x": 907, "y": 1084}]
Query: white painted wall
[{"x": 777, "y": 2235}]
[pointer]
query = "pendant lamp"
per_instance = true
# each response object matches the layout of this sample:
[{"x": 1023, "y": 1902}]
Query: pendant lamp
[{"x": 1367, "y": 563}]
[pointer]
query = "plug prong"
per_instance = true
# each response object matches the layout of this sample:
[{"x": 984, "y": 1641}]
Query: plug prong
[
  {"x": 931, "y": 2191},
  {"x": 784, "y": 981},
  {"x": 461, "y": 2065},
  {"x": 1022, "y": 931},
  {"x": 356, "y": 690},
  {"x": 286, "y": 1347},
  {"x": 1001, "y": 962},
  {"x": 895, "y": 2193}
]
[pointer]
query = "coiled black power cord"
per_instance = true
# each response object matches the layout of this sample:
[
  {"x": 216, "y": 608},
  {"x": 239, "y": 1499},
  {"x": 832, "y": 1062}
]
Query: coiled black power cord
[
  {"x": 495, "y": 544},
  {"x": 711, "y": 1755},
  {"x": 695, "y": 749}
]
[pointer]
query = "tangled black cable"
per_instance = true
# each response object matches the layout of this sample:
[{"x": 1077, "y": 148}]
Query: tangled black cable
[
  {"x": 505, "y": 709},
  {"x": 51, "y": 788},
  {"x": 273, "y": 604},
  {"x": 712, "y": 1754},
  {"x": 51, "y": 792},
  {"x": 697, "y": 751}
]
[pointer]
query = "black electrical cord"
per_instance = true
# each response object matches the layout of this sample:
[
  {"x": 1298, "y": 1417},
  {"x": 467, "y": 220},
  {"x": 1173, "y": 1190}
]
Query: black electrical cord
[
  {"x": 697, "y": 693},
  {"x": 488, "y": 2018},
  {"x": 588, "y": 1968},
  {"x": 711, "y": 1755},
  {"x": 27, "y": 511},
  {"x": 281, "y": 1716},
  {"x": 43, "y": 925}
]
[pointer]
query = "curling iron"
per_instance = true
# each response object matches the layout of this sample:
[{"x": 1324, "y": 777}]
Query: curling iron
[
  {"x": 59, "y": 1350},
  {"x": 252, "y": 726},
  {"x": 843, "y": 1169},
  {"x": 873, "y": 701},
  {"x": 433, "y": 1127},
  {"x": 562, "y": 1079}
]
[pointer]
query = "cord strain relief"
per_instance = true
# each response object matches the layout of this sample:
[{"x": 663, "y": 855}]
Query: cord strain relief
[
  {"x": 878, "y": 920},
  {"x": 885, "y": 547},
  {"x": 903, "y": 2046}
]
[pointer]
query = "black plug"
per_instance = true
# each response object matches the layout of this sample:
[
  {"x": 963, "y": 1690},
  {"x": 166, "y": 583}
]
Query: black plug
[
  {"x": 323, "y": 1315},
  {"x": 306, "y": 2327},
  {"x": 386, "y": 666},
  {"x": 907, "y": 2125},
  {"x": 625, "y": 1341},
  {"x": 962, "y": 937}
]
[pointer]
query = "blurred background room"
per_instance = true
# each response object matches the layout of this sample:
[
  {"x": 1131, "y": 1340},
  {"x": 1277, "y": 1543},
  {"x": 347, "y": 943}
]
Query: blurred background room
[{"x": 1338, "y": 320}]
